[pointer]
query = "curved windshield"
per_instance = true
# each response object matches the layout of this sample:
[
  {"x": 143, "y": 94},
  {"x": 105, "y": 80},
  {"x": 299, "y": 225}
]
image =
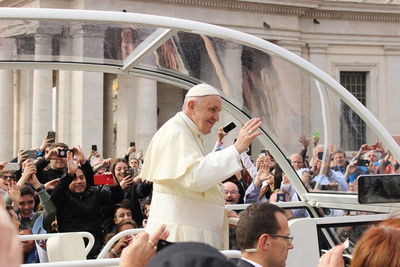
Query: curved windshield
[{"x": 305, "y": 113}]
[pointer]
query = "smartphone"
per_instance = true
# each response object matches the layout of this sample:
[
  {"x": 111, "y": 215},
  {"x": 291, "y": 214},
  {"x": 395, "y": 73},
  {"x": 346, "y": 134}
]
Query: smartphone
[
  {"x": 320, "y": 155},
  {"x": 229, "y": 127},
  {"x": 51, "y": 135},
  {"x": 163, "y": 244},
  {"x": 31, "y": 154},
  {"x": 128, "y": 172},
  {"x": 379, "y": 188},
  {"x": 132, "y": 144},
  {"x": 12, "y": 166},
  {"x": 281, "y": 197},
  {"x": 263, "y": 152},
  {"x": 94, "y": 147},
  {"x": 317, "y": 134},
  {"x": 102, "y": 179},
  {"x": 363, "y": 162}
]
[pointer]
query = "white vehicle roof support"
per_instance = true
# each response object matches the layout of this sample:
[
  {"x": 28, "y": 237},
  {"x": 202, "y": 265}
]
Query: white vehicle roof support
[{"x": 151, "y": 43}]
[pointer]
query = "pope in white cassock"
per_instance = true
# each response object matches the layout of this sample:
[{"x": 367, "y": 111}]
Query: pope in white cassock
[{"x": 187, "y": 192}]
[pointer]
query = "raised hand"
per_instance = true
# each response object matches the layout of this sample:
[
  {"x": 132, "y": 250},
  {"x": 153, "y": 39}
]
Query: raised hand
[
  {"x": 3, "y": 164},
  {"x": 304, "y": 141},
  {"x": 315, "y": 140},
  {"x": 22, "y": 156},
  {"x": 52, "y": 184},
  {"x": 139, "y": 155},
  {"x": 130, "y": 150},
  {"x": 79, "y": 156},
  {"x": 221, "y": 134},
  {"x": 71, "y": 164},
  {"x": 45, "y": 143},
  {"x": 142, "y": 248},
  {"x": 29, "y": 170},
  {"x": 14, "y": 193},
  {"x": 247, "y": 134},
  {"x": 52, "y": 153},
  {"x": 264, "y": 174}
]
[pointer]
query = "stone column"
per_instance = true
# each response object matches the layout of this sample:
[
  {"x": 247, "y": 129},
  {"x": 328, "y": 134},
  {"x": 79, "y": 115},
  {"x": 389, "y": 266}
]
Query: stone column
[
  {"x": 146, "y": 112},
  {"x": 125, "y": 114},
  {"x": 231, "y": 61},
  {"x": 64, "y": 90},
  {"x": 292, "y": 98},
  {"x": 391, "y": 118},
  {"x": 64, "y": 118},
  {"x": 6, "y": 103},
  {"x": 42, "y": 97},
  {"x": 86, "y": 104},
  {"x": 108, "y": 128},
  {"x": 25, "y": 108},
  {"x": 318, "y": 58}
]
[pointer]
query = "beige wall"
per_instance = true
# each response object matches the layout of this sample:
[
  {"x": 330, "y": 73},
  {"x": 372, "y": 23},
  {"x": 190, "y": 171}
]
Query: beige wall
[{"x": 349, "y": 36}]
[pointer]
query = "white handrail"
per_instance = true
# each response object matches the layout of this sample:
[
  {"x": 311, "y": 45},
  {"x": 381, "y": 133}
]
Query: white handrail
[
  {"x": 80, "y": 263},
  {"x": 87, "y": 235},
  {"x": 115, "y": 238},
  {"x": 231, "y": 253}
]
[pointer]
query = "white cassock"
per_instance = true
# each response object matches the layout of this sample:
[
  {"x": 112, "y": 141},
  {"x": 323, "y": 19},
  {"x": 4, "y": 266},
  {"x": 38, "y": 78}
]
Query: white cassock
[{"x": 187, "y": 190}]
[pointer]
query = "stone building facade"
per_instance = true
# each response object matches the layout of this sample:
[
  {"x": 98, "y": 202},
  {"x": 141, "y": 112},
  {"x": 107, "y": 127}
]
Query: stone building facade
[{"x": 340, "y": 37}]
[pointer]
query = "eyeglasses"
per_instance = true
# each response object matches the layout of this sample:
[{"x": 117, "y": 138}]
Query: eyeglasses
[
  {"x": 7, "y": 177},
  {"x": 232, "y": 192},
  {"x": 288, "y": 238}
]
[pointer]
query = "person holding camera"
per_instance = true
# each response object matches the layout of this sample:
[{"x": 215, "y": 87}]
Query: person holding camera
[
  {"x": 79, "y": 205},
  {"x": 134, "y": 188},
  {"x": 325, "y": 177},
  {"x": 55, "y": 159}
]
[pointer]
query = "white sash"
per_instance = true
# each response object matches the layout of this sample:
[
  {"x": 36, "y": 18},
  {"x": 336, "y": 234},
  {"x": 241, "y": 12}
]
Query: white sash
[{"x": 167, "y": 208}]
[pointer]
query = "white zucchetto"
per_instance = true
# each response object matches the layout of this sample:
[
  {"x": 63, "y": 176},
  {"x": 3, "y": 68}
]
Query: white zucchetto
[{"x": 202, "y": 90}]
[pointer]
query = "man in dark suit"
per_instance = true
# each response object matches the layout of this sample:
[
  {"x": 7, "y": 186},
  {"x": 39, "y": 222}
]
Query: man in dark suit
[{"x": 263, "y": 236}]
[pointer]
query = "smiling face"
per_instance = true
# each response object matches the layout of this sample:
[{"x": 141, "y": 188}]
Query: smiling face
[
  {"x": 204, "y": 111},
  {"x": 231, "y": 192},
  {"x": 339, "y": 159},
  {"x": 297, "y": 161},
  {"x": 121, "y": 214},
  {"x": 78, "y": 185},
  {"x": 120, "y": 168},
  {"x": 371, "y": 156},
  {"x": 26, "y": 205}
]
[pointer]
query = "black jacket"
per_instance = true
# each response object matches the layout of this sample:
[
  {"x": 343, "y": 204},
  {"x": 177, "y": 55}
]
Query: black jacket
[
  {"x": 134, "y": 193},
  {"x": 81, "y": 212}
]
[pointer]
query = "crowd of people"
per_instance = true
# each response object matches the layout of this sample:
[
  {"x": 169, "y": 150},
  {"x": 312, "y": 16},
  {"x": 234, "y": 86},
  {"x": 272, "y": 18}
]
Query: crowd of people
[
  {"x": 64, "y": 190},
  {"x": 67, "y": 189},
  {"x": 328, "y": 169},
  {"x": 70, "y": 191}
]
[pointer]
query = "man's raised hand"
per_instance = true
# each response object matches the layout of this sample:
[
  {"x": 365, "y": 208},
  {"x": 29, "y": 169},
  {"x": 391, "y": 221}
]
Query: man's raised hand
[{"x": 247, "y": 134}]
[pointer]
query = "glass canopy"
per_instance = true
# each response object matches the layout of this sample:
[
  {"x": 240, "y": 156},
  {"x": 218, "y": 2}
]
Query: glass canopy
[{"x": 255, "y": 77}]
